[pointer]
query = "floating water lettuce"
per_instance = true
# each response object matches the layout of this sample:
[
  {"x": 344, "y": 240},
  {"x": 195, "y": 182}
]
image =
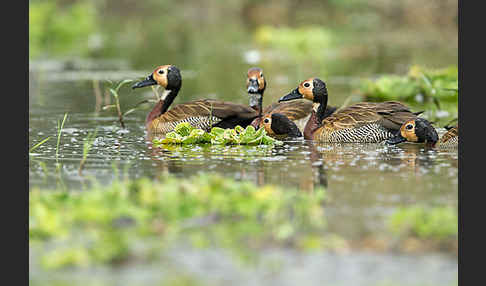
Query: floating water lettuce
[{"x": 185, "y": 133}]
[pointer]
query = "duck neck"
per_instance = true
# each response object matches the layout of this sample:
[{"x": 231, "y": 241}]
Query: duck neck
[
  {"x": 311, "y": 126},
  {"x": 256, "y": 102},
  {"x": 320, "y": 110},
  {"x": 163, "y": 105},
  {"x": 315, "y": 121}
]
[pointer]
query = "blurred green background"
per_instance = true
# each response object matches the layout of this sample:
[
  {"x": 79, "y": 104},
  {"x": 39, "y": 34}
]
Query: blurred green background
[{"x": 342, "y": 37}]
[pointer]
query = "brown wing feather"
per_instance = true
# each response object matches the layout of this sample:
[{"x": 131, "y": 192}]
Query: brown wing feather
[
  {"x": 450, "y": 134},
  {"x": 294, "y": 110},
  {"x": 386, "y": 106},
  {"x": 389, "y": 114},
  {"x": 350, "y": 118},
  {"x": 207, "y": 107}
]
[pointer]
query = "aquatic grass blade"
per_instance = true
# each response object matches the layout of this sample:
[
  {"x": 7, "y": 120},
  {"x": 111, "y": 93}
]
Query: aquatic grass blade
[
  {"x": 60, "y": 126},
  {"x": 39, "y": 144},
  {"x": 87, "y": 144}
]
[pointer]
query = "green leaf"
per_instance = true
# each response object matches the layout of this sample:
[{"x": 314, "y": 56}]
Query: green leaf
[
  {"x": 184, "y": 128},
  {"x": 114, "y": 92},
  {"x": 194, "y": 137}
]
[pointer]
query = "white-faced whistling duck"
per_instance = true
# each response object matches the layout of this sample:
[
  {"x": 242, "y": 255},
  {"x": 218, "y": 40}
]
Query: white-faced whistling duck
[
  {"x": 280, "y": 126},
  {"x": 365, "y": 122},
  {"x": 298, "y": 110},
  {"x": 203, "y": 113},
  {"x": 421, "y": 131}
]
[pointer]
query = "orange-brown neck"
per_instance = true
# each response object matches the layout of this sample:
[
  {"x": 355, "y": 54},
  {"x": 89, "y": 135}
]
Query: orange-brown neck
[
  {"x": 162, "y": 106},
  {"x": 156, "y": 112},
  {"x": 311, "y": 126}
]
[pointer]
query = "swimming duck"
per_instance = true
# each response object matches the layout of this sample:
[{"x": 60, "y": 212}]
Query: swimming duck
[
  {"x": 202, "y": 113},
  {"x": 280, "y": 126},
  {"x": 420, "y": 130},
  {"x": 298, "y": 111},
  {"x": 365, "y": 122}
]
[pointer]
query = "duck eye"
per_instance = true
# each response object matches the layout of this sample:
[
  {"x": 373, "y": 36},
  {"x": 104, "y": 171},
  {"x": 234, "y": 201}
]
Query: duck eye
[
  {"x": 266, "y": 120},
  {"x": 161, "y": 72},
  {"x": 409, "y": 127},
  {"x": 306, "y": 84},
  {"x": 261, "y": 74}
]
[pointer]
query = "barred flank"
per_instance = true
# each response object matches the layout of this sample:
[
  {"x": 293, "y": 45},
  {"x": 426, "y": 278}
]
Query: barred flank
[
  {"x": 202, "y": 122},
  {"x": 369, "y": 133}
]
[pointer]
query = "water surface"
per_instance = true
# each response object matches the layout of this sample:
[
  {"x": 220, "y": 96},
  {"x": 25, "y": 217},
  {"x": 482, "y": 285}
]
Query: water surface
[{"x": 365, "y": 183}]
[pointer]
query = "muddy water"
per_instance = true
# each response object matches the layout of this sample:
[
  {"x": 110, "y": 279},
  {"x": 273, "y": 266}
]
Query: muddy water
[{"x": 365, "y": 182}]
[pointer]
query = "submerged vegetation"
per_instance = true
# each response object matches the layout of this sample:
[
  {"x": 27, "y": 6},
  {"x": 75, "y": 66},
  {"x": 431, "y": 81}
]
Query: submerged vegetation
[
  {"x": 130, "y": 219},
  {"x": 185, "y": 133}
]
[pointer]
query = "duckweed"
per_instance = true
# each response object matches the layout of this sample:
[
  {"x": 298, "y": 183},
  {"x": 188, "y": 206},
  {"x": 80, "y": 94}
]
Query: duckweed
[
  {"x": 185, "y": 133},
  {"x": 139, "y": 218}
]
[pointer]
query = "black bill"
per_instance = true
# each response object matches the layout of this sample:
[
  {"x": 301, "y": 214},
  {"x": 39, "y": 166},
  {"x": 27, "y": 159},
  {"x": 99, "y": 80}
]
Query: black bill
[
  {"x": 396, "y": 139},
  {"x": 146, "y": 82},
  {"x": 295, "y": 94}
]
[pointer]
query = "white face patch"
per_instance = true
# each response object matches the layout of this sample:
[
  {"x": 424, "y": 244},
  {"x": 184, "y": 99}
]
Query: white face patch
[
  {"x": 164, "y": 94},
  {"x": 315, "y": 106}
]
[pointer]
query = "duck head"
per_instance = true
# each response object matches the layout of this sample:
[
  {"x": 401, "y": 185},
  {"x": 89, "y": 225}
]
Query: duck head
[
  {"x": 312, "y": 89},
  {"x": 255, "y": 86},
  {"x": 279, "y": 124},
  {"x": 417, "y": 130},
  {"x": 168, "y": 76}
]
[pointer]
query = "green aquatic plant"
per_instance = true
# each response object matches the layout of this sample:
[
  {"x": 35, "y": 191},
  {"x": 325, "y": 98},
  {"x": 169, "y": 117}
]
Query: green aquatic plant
[
  {"x": 114, "y": 89},
  {"x": 434, "y": 91},
  {"x": 39, "y": 144},
  {"x": 87, "y": 144},
  {"x": 185, "y": 133},
  {"x": 140, "y": 218},
  {"x": 426, "y": 223},
  {"x": 419, "y": 85},
  {"x": 60, "y": 126}
]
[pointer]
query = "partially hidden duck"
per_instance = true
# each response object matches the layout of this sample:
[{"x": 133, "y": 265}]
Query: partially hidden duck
[
  {"x": 280, "y": 127},
  {"x": 297, "y": 111},
  {"x": 421, "y": 130}
]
